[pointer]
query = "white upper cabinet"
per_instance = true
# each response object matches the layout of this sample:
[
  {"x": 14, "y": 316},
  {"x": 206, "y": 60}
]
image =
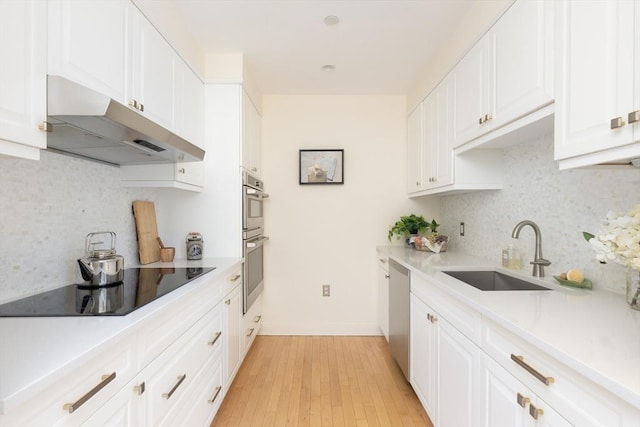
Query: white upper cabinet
[
  {"x": 598, "y": 80},
  {"x": 189, "y": 105},
  {"x": 438, "y": 129},
  {"x": 89, "y": 43},
  {"x": 251, "y": 136},
  {"x": 508, "y": 74},
  {"x": 152, "y": 73},
  {"x": 415, "y": 138},
  {"x": 23, "y": 80}
]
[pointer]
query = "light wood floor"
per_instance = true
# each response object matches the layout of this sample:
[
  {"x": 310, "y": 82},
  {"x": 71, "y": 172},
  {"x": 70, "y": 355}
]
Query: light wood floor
[{"x": 320, "y": 381}]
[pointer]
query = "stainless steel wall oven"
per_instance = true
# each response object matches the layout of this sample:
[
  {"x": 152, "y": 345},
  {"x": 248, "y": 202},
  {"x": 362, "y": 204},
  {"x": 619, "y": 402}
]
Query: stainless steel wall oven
[{"x": 253, "y": 239}]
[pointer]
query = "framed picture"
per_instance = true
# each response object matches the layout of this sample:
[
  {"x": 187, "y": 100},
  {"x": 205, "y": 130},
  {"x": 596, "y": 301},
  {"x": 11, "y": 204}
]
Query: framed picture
[{"x": 321, "y": 167}]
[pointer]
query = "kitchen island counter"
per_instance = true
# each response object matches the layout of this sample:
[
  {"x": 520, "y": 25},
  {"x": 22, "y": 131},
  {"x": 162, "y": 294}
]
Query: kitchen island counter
[{"x": 594, "y": 331}]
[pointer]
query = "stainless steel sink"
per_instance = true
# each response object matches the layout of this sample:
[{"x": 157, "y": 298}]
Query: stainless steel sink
[{"x": 494, "y": 281}]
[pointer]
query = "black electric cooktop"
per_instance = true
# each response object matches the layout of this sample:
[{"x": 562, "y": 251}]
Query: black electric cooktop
[{"x": 139, "y": 287}]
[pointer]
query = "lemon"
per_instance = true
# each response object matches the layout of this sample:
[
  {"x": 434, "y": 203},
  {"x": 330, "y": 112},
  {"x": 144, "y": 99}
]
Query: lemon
[{"x": 575, "y": 275}]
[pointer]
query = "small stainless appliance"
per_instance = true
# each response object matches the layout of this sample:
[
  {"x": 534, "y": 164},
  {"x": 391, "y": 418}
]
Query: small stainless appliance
[
  {"x": 101, "y": 265},
  {"x": 253, "y": 239}
]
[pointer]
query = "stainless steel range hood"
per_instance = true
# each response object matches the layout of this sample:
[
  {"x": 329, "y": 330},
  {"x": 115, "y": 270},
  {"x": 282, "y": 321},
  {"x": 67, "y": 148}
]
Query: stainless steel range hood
[{"x": 91, "y": 125}]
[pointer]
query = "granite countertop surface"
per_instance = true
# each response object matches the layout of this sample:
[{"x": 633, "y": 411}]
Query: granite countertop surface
[{"x": 593, "y": 331}]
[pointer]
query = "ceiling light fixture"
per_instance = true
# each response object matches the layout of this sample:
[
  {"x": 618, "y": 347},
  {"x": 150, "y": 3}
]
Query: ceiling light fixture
[
  {"x": 328, "y": 68},
  {"x": 331, "y": 20}
]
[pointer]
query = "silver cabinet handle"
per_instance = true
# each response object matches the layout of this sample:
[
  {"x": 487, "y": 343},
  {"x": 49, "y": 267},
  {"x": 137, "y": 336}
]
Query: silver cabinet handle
[
  {"x": 257, "y": 319},
  {"x": 139, "y": 389},
  {"x": 106, "y": 379},
  {"x": 45, "y": 127},
  {"x": 254, "y": 169},
  {"x": 228, "y": 302},
  {"x": 633, "y": 117},
  {"x": 234, "y": 278},
  {"x": 175, "y": 387},
  {"x": 181, "y": 170},
  {"x": 520, "y": 361},
  {"x": 432, "y": 318},
  {"x": 382, "y": 260},
  {"x": 250, "y": 332},
  {"x": 522, "y": 401},
  {"x": 215, "y": 338},
  {"x": 386, "y": 276},
  {"x": 481, "y": 120},
  {"x": 617, "y": 123},
  {"x": 535, "y": 412},
  {"x": 215, "y": 395}
]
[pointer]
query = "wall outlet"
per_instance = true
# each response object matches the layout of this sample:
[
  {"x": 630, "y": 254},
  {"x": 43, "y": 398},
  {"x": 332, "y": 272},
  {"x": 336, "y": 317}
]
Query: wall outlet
[
  {"x": 462, "y": 228},
  {"x": 326, "y": 290}
]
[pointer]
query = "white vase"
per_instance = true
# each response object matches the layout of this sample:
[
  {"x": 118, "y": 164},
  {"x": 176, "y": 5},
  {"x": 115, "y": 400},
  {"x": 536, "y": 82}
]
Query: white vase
[{"x": 633, "y": 288}]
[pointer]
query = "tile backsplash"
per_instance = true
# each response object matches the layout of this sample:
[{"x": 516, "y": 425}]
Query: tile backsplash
[
  {"x": 47, "y": 208},
  {"x": 562, "y": 203}
]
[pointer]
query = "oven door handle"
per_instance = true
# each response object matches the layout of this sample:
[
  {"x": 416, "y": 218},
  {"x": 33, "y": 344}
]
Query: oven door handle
[
  {"x": 259, "y": 242},
  {"x": 257, "y": 193}
]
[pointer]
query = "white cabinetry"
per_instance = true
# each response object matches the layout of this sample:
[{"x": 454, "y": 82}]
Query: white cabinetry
[
  {"x": 445, "y": 364},
  {"x": 251, "y": 136},
  {"x": 597, "y": 116},
  {"x": 383, "y": 295},
  {"x": 438, "y": 124},
  {"x": 415, "y": 147},
  {"x": 232, "y": 321},
  {"x": 252, "y": 322},
  {"x": 23, "y": 79},
  {"x": 508, "y": 74}
]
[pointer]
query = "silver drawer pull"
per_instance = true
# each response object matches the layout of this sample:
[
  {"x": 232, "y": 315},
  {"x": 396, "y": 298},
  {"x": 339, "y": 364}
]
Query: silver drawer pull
[
  {"x": 257, "y": 319},
  {"x": 520, "y": 361},
  {"x": 617, "y": 123},
  {"x": 535, "y": 412},
  {"x": 215, "y": 395},
  {"x": 522, "y": 401},
  {"x": 175, "y": 387},
  {"x": 634, "y": 116},
  {"x": 234, "y": 278},
  {"x": 216, "y": 338},
  {"x": 106, "y": 379},
  {"x": 139, "y": 389},
  {"x": 250, "y": 332}
]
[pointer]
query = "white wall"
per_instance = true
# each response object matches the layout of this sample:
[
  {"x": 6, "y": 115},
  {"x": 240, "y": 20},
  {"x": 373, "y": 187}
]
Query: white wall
[
  {"x": 47, "y": 208},
  {"x": 327, "y": 234},
  {"x": 562, "y": 203}
]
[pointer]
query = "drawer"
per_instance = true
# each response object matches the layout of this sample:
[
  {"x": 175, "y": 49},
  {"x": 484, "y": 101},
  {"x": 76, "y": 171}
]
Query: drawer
[
  {"x": 578, "y": 399},
  {"x": 169, "y": 377},
  {"x": 383, "y": 262},
  {"x": 87, "y": 386},
  {"x": 252, "y": 321},
  {"x": 204, "y": 400},
  {"x": 162, "y": 329},
  {"x": 232, "y": 280}
]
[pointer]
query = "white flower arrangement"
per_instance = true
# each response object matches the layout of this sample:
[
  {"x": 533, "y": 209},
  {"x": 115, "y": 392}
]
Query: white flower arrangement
[{"x": 620, "y": 240}]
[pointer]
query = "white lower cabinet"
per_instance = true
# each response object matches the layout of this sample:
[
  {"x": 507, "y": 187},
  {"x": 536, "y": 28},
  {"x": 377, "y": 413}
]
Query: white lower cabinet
[
  {"x": 508, "y": 402},
  {"x": 252, "y": 321},
  {"x": 122, "y": 410},
  {"x": 445, "y": 368},
  {"x": 383, "y": 295},
  {"x": 232, "y": 321}
]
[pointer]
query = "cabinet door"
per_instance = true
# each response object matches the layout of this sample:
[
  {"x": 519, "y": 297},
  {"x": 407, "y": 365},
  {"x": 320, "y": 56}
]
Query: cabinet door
[
  {"x": 423, "y": 357},
  {"x": 121, "y": 411},
  {"x": 445, "y": 120},
  {"x": 505, "y": 399},
  {"x": 23, "y": 80},
  {"x": 383, "y": 297},
  {"x": 231, "y": 317},
  {"x": 429, "y": 152},
  {"x": 89, "y": 43},
  {"x": 251, "y": 134},
  {"x": 472, "y": 89},
  {"x": 152, "y": 82},
  {"x": 414, "y": 149},
  {"x": 594, "y": 75},
  {"x": 523, "y": 60},
  {"x": 189, "y": 104},
  {"x": 459, "y": 362}
]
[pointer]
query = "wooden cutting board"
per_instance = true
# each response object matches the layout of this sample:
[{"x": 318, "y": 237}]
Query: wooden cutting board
[{"x": 147, "y": 231}]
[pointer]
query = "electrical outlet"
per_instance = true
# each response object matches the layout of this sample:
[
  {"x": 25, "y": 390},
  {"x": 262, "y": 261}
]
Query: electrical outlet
[
  {"x": 326, "y": 290},
  {"x": 462, "y": 228}
]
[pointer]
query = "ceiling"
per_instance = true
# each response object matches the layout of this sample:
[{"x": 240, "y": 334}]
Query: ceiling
[{"x": 377, "y": 47}]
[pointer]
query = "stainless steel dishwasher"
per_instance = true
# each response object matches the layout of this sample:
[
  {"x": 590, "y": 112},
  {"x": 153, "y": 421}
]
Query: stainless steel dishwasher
[{"x": 399, "y": 287}]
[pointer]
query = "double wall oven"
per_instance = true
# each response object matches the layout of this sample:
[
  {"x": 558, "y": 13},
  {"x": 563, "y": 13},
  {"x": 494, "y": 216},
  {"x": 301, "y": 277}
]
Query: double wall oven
[{"x": 253, "y": 238}]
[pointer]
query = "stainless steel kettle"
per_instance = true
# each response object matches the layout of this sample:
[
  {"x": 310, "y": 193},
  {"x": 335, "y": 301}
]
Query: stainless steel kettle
[{"x": 101, "y": 266}]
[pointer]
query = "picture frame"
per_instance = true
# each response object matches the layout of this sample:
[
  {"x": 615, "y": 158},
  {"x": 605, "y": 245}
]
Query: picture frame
[{"x": 321, "y": 167}]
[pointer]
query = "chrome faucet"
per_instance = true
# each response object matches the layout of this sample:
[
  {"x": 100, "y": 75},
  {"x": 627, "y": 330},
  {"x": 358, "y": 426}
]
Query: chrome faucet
[{"x": 538, "y": 261}]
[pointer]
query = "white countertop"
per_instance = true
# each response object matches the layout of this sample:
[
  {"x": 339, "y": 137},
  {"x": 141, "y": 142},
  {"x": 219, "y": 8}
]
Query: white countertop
[
  {"x": 38, "y": 350},
  {"x": 593, "y": 331}
]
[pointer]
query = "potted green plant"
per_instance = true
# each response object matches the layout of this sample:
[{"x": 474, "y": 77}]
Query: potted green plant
[{"x": 412, "y": 225}]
